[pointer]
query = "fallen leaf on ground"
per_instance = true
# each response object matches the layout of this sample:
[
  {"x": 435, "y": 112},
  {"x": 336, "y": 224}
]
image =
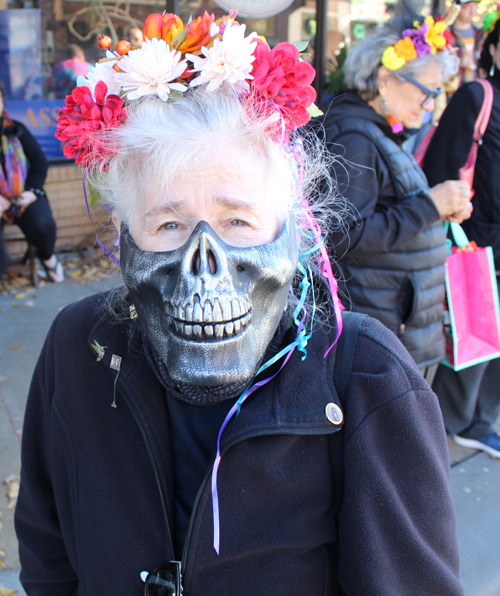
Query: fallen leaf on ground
[
  {"x": 12, "y": 483},
  {"x": 6, "y": 592},
  {"x": 17, "y": 347},
  {"x": 29, "y": 303},
  {"x": 20, "y": 296},
  {"x": 14, "y": 304}
]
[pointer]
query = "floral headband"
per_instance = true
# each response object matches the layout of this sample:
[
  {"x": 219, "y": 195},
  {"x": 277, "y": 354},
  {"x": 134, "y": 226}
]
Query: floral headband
[
  {"x": 490, "y": 20},
  {"x": 175, "y": 57},
  {"x": 426, "y": 38}
]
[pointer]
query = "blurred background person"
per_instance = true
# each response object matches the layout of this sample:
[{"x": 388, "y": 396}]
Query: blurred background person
[
  {"x": 65, "y": 73},
  {"x": 470, "y": 398},
  {"x": 22, "y": 199},
  {"x": 135, "y": 37},
  {"x": 467, "y": 38},
  {"x": 393, "y": 253}
]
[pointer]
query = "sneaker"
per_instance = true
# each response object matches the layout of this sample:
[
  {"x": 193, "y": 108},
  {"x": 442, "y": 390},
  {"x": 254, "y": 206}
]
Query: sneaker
[{"x": 489, "y": 444}]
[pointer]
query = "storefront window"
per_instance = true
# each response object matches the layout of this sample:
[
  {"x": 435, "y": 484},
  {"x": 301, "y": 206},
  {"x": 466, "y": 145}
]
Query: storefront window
[{"x": 46, "y": 44}]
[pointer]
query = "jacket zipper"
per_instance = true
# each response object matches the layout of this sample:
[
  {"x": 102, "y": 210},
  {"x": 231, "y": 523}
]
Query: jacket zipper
[
  {"x": 203, "y": 484},
  {"x": 155, "y": 468},
  {"x": 209, "y": 473}
]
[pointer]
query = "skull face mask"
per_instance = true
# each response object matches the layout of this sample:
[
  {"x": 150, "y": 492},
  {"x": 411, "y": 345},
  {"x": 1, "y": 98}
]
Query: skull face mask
[{"x": 210, "y": 309}]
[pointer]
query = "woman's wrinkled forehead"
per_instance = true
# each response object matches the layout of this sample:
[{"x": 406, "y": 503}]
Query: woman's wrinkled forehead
[{"x": 225, "y": 174}]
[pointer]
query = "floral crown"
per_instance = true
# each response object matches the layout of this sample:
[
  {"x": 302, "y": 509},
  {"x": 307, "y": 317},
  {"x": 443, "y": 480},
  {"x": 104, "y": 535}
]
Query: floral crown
[
  {"x": 426, "y": 38},
  {"x": 490, "y": 20},
  {"x": 175, "y": 57}
]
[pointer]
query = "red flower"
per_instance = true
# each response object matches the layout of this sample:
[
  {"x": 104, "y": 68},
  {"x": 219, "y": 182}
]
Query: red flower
[
  {"x": 282, "y": 79},
  {"x": 83, "y": 121}
]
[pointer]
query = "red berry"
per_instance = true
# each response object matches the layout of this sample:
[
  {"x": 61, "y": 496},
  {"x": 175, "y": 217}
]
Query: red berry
[
  {"x": 123, "y": 47},
  {"x": 104, "y": 42}
]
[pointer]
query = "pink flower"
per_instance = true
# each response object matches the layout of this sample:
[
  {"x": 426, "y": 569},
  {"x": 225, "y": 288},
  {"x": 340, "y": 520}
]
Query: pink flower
[
  {"x": 84, "y": 121},
  {"x": 283, "y": 80}
]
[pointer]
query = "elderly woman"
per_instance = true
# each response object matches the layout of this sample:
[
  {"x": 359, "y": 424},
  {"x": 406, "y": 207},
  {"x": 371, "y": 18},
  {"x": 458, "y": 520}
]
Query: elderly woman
[
  {"x": 180, "y": 430},
  {"x": 393, "y": 253}
]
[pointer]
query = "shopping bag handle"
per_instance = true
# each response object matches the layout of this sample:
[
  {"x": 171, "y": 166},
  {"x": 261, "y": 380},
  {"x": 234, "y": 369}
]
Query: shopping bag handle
[{"x": 459, "y": 235}]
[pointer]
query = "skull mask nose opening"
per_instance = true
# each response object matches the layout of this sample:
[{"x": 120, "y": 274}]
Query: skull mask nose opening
[{"x": 204, "y": 258}]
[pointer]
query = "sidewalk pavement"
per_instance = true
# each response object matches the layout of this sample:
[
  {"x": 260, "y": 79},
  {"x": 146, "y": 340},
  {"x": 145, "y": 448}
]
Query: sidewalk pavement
[{"x": 475, "y": 477}]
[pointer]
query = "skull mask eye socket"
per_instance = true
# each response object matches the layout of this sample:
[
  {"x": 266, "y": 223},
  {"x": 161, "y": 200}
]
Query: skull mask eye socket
[{"x": 210, "y": 309}]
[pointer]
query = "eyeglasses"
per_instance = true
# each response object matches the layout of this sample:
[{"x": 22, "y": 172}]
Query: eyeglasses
[
  {"x": 164, "y": 581},
  {"x": 430, "y": 93}
]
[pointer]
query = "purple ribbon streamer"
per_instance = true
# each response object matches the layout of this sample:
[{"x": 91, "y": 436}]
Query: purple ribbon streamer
[
  {"x": 215, "y": 494},
  {"x": 108, "y": 252}
]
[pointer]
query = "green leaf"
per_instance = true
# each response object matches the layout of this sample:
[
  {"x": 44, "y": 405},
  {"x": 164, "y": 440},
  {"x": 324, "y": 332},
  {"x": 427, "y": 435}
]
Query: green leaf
[
  {"x": 301, "y": 45},
  {"x": 94, "y": 196},
  {"x": 173, "y": 95},
  {"x": 179, "y": 38},
  {"x": 314, "y": 111}
]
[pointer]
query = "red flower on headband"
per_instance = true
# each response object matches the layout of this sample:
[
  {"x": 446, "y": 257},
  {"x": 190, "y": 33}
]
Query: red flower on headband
[
  {"x": 83, "y": 120},
  {"x": 282, "y": 79}
]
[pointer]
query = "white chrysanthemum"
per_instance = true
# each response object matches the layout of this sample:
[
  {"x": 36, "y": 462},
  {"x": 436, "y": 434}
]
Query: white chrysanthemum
[
  {"x": 150, "y": 70},
  {"x": 103, "y": 71},
  {"x": 229, "y": 59}
]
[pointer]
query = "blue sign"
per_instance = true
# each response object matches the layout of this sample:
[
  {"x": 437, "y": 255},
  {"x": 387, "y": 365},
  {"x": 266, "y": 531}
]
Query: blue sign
[{"x": 40, "y": 117}]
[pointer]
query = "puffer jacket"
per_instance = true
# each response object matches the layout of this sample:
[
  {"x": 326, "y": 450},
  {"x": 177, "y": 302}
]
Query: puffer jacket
[
  {"x": 96, "y": 503},
  {"x": 392, "y": 257}
]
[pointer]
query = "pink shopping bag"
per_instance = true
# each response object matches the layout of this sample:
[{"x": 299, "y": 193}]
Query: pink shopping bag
[{"x": 473, "y": 334}]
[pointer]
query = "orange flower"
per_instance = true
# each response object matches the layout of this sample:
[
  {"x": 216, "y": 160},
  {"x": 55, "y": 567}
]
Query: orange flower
[
  {"x": 152, "y": 26},
  {"x": 198, "y": 34},
  {"x": 405, "y": 49},
  {"x": 171, "y": 28}
]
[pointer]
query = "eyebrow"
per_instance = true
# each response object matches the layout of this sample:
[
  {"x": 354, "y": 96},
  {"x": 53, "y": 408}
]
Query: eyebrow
[{"x": 174, "y": 206}]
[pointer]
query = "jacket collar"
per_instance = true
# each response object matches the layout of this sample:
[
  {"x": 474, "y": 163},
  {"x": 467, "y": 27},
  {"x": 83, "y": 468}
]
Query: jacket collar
[{"x": 294, "y": 402}]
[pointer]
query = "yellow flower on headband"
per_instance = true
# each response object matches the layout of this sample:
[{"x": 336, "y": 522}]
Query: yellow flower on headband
[
  {"x": 405, "y": 49},
  {"x": 391, "y": 60},
  {"x": 434, "y": 35}
]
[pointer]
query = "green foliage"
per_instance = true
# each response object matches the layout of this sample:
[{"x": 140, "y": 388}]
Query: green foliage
[
  {"x": 301, "y": 45},
  {"x": 94, "y": 196},
  {"x": 335, "y": 75},
  {"x": 314, "y": 111}
]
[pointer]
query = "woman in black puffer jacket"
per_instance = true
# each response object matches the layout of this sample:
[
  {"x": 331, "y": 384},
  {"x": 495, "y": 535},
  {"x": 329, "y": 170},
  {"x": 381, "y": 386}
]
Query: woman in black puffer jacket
[{"x": 392, "y": 256}]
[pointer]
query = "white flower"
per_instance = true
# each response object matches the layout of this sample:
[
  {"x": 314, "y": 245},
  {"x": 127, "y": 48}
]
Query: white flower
[
  {"x": 103, "y": 71},
  {"x": 229, "y": 59},
  {"x": 151, "y": 70}
]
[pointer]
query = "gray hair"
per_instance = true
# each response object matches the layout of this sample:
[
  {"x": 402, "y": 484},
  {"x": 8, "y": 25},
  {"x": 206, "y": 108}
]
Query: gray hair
[
  {"x": 364, "y": 60},
  {"x": 160, "y": 138}
]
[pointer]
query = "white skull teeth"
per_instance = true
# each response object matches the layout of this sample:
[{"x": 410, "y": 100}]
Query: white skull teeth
[{"x": 216, "y": 319}]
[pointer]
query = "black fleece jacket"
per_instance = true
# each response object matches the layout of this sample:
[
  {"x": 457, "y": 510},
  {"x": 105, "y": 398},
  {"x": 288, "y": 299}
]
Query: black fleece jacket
[
  {"x": 96, "y": 500},
  {"x": 448, "y": 152}
]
